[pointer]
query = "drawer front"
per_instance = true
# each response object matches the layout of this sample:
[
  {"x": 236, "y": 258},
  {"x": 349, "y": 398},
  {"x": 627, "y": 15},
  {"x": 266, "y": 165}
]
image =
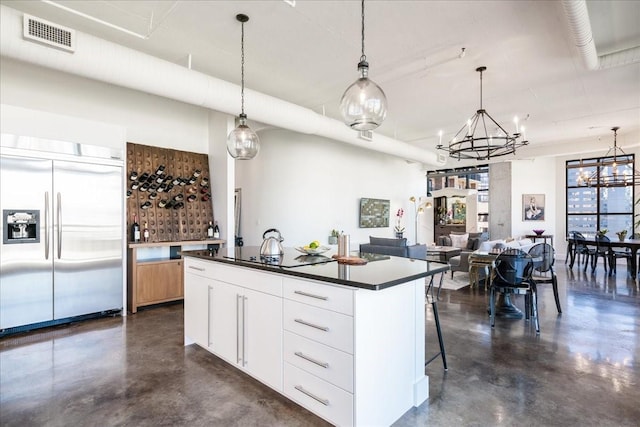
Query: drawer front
[
  {"x": 329, "y": 364},
  {"x": 319, "y": 295},
  {"x": 326, "y": 400},
  {"x": 327, "y": 327},
  {"x": 198, "y": 267},
  {"x": 249, "y": 278}
]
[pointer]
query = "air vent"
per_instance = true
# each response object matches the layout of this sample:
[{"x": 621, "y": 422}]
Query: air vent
[
  {"x": 366, "y": 135},
  {"x": 49, "y": 33},
  {"x": 442, "y": 158}
]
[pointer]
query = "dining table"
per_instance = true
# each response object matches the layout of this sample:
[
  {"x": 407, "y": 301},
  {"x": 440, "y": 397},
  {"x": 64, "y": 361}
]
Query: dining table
[
  {"x": 632, "y": 244},
  {"x": 504, "y": 306}
]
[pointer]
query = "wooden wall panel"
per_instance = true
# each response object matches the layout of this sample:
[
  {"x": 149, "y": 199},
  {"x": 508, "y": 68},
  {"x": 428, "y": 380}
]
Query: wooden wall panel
[{"x": 187, "y": 198}]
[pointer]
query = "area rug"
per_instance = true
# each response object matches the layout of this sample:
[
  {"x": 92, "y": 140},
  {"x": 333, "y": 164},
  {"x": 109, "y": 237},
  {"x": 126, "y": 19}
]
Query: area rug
[{"x": 459, "y": 281}]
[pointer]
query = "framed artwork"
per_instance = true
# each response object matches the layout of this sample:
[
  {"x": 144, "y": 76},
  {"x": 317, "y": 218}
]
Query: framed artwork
[
  {"x": 374, "y": 213},
  {"x": 533, "y": 207}
]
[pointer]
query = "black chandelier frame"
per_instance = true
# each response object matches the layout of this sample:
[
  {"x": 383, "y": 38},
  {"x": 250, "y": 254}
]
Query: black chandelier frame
[{"x": 483, "y": 146}]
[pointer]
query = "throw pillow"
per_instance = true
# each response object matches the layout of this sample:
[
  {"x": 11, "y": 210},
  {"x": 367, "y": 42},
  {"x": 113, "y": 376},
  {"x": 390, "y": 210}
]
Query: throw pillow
[
  {"x": 381, "y": 241},
  {"x": 459, "y": 240},
  {"x": 473, "y": 243}
]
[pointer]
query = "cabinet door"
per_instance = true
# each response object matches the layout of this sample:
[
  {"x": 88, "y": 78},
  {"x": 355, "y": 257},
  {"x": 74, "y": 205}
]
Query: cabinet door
[
  {"x": 262, "y": 339},
  {"x": 159, "y": 282},
  {"x": 196, "y": 309},
  {"x": 225, "y": 317}
]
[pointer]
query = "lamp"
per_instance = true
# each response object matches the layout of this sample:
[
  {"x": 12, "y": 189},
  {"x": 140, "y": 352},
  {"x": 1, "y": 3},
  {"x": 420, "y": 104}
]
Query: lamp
[
  {"x": 621, "y": 174},
  {"x": 363, "y": 105},
  {"x": 242, "y": 142},
  {"x": 474, "y": 141},
  {"x": 419, "y": 209}
]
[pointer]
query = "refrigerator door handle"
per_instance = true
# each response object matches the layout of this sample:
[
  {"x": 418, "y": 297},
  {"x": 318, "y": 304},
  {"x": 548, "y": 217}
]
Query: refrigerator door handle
[
  {"x": 59, "y": 223},
  {"x": 46, "y": 225}
]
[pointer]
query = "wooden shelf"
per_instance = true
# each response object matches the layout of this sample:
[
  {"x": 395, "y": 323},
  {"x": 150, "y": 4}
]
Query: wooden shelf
[
  {"x": 180, "y": 243},
  {"x": 157, "y": 280}
]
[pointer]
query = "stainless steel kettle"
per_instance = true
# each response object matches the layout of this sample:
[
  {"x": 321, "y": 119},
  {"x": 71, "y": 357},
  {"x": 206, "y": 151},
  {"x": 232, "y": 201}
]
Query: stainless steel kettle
[{"x": 271, "y": 246}]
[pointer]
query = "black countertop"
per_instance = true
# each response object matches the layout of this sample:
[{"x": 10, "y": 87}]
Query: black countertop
[{"x": 382, "y": 271}]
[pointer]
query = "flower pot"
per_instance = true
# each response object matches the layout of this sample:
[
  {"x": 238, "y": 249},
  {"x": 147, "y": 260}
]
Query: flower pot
[
  {"x": 399, "y": 235},
  {"x": 333, "y": 240}
]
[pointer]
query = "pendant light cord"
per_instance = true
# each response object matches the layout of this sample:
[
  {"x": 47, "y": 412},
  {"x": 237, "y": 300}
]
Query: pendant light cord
[
  {"x": 481, "y": 89},
  {"x": 242, "y": 68},
  {"x": 363, "y": 58}
]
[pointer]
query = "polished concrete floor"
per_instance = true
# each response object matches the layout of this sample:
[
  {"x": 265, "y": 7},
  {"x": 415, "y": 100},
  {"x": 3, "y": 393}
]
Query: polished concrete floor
[{"x": 582, "y": 370}]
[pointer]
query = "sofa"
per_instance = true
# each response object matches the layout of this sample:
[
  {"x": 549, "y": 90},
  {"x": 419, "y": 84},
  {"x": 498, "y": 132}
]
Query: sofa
[
  {"x": 467, "y": 242},
  {"x": 395, "y": 247},
  {"x": 478, "y": 241}
]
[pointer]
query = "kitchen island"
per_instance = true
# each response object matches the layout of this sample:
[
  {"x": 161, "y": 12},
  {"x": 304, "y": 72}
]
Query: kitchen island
[{"x": 347, "y": 342}]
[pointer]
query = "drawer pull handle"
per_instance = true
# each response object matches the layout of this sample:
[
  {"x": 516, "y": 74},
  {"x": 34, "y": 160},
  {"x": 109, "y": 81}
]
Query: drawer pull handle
[
  {"x": 325, "y": 402},
  {"x": 311, "y": 359},
  {"x": 196, "y": 268},
  {"x": 322, "y": 328},
  {"x": 311, "y": 295}
]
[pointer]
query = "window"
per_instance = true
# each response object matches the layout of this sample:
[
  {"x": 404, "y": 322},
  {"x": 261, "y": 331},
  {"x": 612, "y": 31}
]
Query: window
[{"x": 600, "y": 194}]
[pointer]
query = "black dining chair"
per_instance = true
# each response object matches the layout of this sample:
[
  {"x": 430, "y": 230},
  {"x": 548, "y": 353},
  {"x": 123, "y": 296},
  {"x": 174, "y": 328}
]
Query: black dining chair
[
  {"x": 602, "y": 249},
  {"x": 513, "y": 275},
  {"x": 579, "y": 248},
  {"x": 543, "y": 256},
  {"x": 614, "y": 254}
]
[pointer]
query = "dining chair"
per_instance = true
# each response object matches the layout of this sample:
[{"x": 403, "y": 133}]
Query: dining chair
[
  {"x": 614, "y": 254},
  {"x": 579, "y": 247},
  {"x": 601, "y": 250},
  {"x": 513, "y": 269},
  {"x": 543, "y": 256}
]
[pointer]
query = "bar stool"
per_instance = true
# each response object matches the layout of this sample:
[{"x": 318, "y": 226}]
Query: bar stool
[{"x": 434, "y": 306}]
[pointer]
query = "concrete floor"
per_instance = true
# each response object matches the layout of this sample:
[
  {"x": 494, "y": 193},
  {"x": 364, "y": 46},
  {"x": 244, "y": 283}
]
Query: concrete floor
[{"x": 583, "y": 369}]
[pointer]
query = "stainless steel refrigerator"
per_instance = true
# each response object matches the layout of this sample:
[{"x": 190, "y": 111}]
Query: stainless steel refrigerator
[{"x": 62, "y": 231}]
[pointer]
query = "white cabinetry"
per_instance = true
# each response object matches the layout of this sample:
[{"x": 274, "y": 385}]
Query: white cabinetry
[
  {"x": 352, "y": 356},
  {"x": 246, "y": 330},
  {"x": 318, "y": 349},
  {"x": 197, "y": 288},
  {"x": 238, "y": 323}
]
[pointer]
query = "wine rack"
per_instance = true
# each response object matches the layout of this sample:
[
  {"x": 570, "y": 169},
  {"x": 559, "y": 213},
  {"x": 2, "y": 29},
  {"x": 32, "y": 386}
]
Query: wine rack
[{"x": 179, "y": 211}]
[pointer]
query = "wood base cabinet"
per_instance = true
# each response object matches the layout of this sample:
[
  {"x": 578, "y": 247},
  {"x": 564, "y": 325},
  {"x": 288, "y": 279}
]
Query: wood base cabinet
[{"x": 159, "y": 279}]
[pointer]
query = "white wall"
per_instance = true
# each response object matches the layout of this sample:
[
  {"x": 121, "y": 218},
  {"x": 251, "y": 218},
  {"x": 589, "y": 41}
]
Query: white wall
[
  {"x": 307, "y": 185},
  {"x": 535, "y": 176}
]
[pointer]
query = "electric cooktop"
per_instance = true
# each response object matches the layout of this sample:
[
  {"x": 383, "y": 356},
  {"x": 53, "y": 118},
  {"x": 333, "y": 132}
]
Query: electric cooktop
[{"x": 290, "y": 259}]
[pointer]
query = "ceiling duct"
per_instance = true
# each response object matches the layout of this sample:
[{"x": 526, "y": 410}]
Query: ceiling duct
[
  {"x": 580, "y": 26},
  {"x": 108, "y": 62}
]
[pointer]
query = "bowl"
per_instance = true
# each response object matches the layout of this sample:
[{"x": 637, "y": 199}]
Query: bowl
[
  {"x": 316, "y": 251},
  {"x": 538, "y": 232}
]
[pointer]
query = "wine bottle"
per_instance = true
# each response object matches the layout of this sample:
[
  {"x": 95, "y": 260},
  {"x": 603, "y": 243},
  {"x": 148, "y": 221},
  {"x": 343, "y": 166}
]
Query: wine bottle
[
  {"x": 146, "y": 232},
  {"x": 133, "y": 176},
  {"x": 135, "y": 229},
  {"x": 216, "y": 231},
  {"x": 210, "y": 230},
  {"x": 160, "y": 170}
]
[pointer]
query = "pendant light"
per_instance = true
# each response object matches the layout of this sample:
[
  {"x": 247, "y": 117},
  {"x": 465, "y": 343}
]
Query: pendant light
[
  {"x": 475, "y": 141},
  {"x": 242, "y": 142},
  {"x": 363, "y": 105}
]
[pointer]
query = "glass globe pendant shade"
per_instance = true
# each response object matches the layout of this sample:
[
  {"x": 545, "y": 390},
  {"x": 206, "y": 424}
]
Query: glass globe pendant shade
[
  {"x": 242, "y": 142},
  {"x": 363, "y": 105}
]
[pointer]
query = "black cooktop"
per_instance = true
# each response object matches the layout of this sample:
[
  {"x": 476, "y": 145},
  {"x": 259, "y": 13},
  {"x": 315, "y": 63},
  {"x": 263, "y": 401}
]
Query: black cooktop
[{"x": 290, "y": 259}]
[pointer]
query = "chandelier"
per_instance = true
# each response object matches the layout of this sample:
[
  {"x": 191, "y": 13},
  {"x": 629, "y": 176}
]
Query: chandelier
[
  {"x": 482, "y": 138},
  {"x": 242, "y": 142},
  {"x": 363, "y": 105},
  {"x": 615, "y": 169}
]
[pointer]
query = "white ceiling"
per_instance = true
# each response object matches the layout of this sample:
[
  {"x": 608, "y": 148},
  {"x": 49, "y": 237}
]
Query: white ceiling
[{"x": 307, "y": 55}]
